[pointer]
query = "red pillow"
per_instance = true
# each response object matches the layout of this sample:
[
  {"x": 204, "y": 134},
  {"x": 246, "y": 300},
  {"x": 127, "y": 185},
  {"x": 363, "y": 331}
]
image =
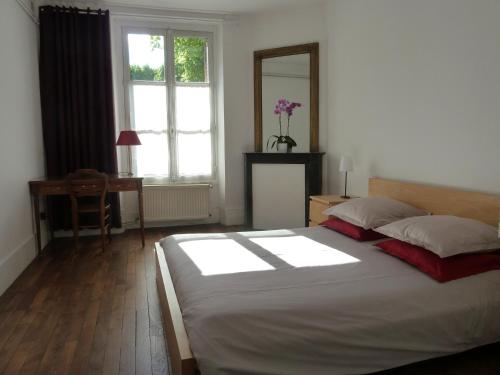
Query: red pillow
[
  {"x": 442, "y": 269},
  {"x": 351, "y": 230}
]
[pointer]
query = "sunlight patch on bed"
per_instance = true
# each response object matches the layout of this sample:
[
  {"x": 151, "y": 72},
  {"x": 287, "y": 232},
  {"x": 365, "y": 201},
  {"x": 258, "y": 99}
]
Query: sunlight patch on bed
[
  {"x": 220, "y": 257},
  {"x": 300, "y": 251}
]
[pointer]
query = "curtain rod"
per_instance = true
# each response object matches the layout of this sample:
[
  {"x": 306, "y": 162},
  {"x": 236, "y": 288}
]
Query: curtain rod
[
  {"x": 63, "y": 9},
  {"x": 28, "y": 11}
]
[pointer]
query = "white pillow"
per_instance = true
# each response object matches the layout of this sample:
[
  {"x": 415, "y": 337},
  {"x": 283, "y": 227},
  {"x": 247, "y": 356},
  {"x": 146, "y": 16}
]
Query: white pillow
[
  {"x": 373, "y": 212},
  {"x": 444, "y": 235}
]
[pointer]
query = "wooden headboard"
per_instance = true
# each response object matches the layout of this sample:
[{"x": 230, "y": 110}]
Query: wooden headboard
[{"x": 440, "y": 200}]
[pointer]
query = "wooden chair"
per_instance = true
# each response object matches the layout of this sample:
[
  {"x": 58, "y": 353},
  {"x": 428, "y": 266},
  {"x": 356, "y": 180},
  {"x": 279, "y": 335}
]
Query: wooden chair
[{"x": 87, "y": 190}]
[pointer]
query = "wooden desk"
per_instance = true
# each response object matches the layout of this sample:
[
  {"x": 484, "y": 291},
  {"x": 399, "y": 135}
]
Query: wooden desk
[{"x": 43, "y": 188}]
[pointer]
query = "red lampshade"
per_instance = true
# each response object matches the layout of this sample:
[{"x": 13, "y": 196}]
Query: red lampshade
[{"x": 128, "y": 138}]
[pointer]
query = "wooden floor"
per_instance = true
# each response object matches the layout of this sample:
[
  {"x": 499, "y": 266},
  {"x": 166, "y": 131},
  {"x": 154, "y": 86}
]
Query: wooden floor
[{"x": 89, "y": 312}]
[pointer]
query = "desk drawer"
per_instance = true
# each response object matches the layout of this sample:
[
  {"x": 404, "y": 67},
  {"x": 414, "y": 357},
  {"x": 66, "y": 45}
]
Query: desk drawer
[
  {"x": 115, "y": 186},
  {"x": 49, "y": 189}
]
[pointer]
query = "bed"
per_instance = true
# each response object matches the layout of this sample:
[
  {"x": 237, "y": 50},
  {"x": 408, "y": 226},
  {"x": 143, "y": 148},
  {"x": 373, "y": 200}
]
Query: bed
[{"x": 256, "y": 303}]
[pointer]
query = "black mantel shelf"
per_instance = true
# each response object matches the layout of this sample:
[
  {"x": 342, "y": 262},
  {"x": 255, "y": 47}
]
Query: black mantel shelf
[
  {"x": 313, "y": 175},
  {"x": 285, "y": 154}
]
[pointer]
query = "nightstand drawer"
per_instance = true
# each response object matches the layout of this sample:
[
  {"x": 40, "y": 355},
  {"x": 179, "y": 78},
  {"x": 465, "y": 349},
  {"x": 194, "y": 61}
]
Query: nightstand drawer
[
  {"x": 312, "y": 224},
  {"x": 319, "y": 203},
  {"x": 315, "y": 211}
]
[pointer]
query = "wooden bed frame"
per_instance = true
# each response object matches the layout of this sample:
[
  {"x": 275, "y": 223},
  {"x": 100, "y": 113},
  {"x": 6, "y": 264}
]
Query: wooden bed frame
[
  {"x": 435, "y": 199},
  {"x": 440, "y": 200},
  {"x": 181, "y": 359}
]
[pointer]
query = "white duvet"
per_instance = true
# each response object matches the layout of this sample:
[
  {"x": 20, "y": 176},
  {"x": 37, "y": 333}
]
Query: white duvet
[{"x": 312, "y": 301}]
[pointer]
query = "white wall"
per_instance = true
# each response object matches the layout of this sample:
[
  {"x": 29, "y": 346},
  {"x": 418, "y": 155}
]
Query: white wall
[
  {"x": 238, "y": 126},
  {"x": 414, "y": 90},
  {"x": 240, "y": 39},
  {"x": 21, "y": 146}
]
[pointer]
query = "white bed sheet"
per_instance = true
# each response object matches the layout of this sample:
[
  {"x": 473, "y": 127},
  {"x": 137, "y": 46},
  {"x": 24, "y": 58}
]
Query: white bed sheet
[{"x": 312, "y": 301}]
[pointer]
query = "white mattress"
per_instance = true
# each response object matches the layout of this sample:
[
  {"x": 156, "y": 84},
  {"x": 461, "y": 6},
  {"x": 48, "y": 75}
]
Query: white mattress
[{"x": 318, "y": 302}]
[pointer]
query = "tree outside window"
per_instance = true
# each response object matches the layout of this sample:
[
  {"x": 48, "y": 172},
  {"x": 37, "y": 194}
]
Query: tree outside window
[{"x": 189, "y": 61}]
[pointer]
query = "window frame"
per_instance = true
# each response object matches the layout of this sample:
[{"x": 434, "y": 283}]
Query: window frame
[{"x": 170, "y": 84}]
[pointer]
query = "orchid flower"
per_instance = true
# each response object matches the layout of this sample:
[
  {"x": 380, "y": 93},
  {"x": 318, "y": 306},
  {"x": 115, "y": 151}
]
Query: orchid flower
[{"x": 284, "y": 106}]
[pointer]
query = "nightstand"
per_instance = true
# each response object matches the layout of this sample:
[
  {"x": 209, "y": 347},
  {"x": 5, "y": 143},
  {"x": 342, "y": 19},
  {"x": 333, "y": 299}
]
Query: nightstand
[{"x": 319, "y": 203}]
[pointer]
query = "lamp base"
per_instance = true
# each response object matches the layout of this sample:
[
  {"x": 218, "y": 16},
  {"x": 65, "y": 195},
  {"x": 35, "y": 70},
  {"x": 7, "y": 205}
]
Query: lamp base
[{"x": 345, "y": 197}]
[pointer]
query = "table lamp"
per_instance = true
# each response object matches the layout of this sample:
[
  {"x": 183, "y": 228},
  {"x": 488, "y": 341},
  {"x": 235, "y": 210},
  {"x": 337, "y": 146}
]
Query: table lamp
[
  {"x": 128, "y": 138},
  {"x": 345, "y": 166}
]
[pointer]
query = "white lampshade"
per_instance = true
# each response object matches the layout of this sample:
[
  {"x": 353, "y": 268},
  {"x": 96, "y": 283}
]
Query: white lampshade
[{"x": 345, "y": 164}]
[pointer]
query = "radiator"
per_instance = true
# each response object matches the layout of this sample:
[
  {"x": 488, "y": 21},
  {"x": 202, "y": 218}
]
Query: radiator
[{"x": 176, "y": 202}]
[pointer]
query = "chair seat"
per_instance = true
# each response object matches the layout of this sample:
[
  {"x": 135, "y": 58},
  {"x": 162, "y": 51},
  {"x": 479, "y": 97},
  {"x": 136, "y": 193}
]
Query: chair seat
[{"x": 89, "y": 207}]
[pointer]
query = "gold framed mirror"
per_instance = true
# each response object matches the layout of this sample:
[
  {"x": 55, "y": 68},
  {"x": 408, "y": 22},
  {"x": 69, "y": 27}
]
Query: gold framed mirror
[{"x": 290, "y": 73}]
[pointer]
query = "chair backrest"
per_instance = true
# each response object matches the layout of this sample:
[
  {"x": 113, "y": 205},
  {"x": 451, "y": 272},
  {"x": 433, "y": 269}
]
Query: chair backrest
[{"x": 87, "y": 183}]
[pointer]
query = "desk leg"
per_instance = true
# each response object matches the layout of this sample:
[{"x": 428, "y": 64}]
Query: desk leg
[
  {"x": 36, "y": 208},
  {"x": 141, "y": 213},
  {"x": 48, "y": 211}
]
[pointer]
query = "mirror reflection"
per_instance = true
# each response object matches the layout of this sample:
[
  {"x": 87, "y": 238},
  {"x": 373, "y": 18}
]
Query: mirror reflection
[{"x": 286, "y": 100}]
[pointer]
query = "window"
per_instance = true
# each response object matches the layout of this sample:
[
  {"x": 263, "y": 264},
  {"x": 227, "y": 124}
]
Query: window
[{"x": 170, "y": 105}]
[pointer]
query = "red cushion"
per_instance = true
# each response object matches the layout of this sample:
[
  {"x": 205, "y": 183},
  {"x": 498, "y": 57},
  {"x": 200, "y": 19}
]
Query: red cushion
[
  {"x": 351, "y": 230},
  {"x": 442, "y": 269}
]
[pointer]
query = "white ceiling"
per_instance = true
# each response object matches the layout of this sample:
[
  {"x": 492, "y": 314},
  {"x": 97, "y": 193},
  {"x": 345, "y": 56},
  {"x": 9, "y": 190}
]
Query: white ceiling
[{"x": 219, "y": 6}]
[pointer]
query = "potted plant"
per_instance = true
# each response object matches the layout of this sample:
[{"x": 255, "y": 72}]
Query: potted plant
[{"x": 283, "y": 143}]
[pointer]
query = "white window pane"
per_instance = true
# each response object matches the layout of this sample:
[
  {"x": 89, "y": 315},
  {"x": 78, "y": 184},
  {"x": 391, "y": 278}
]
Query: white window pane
[
  {"x": 146, "y": 57},
  {"x": 152, "y": 155},
  {"x": 192, "y": 108},
  {"x": 149, "y": 107},
  {"x": 194, "y": 154}
]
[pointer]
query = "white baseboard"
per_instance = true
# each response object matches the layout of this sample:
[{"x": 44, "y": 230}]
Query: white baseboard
[
  {"x": 85, "y": 232},
  {"x": 130, "y": 220},
  {"x": 16, "y": 262},
  {"x": 234, "y": 216},
  {"x": 170, "y": 223}
]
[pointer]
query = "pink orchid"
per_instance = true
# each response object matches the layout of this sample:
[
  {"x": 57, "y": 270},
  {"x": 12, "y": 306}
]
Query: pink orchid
[{"x": 284, "y": 106}]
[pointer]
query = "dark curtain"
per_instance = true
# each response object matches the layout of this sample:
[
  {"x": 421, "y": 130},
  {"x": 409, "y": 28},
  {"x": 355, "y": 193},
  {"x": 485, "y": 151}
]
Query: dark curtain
[{"x": 77, "y": 99}]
